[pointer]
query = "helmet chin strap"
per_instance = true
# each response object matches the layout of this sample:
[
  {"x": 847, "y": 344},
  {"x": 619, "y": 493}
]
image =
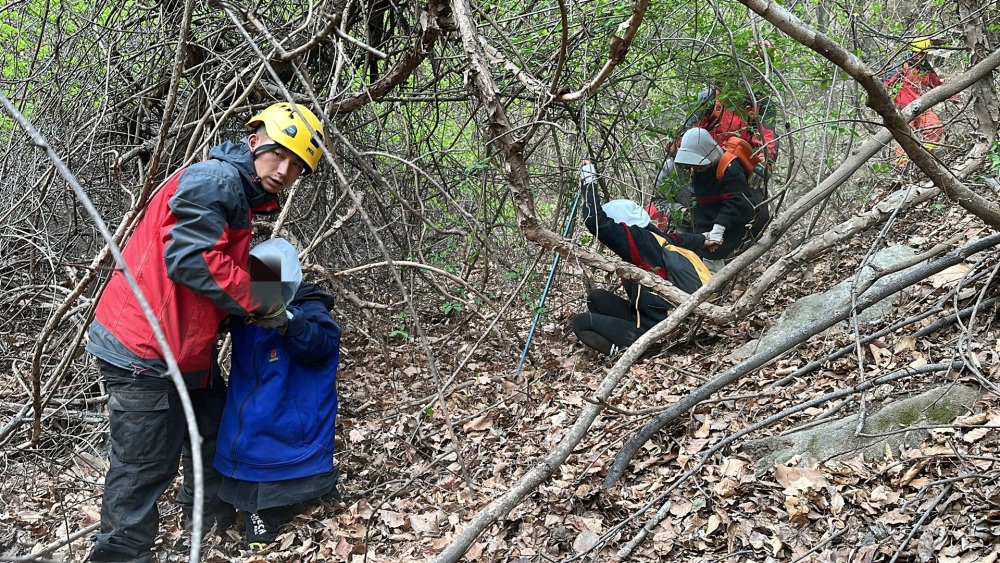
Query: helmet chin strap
[
  {"x": 261, "y": 144},
  {"x": 261, "y": 149}
]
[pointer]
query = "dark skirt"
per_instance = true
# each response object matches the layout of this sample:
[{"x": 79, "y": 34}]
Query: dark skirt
[{"x": 252, "y": 496}]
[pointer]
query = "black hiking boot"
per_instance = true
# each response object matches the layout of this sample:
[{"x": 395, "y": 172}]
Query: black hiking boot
[
  {"x": 108, "y": 553},
  {"x": 261, "y": 529}
]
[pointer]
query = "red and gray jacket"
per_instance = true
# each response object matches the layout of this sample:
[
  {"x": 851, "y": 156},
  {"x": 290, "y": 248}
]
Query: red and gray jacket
[
  {"x": 912, "y": 80},
  {"x": 189, "y": 256}
]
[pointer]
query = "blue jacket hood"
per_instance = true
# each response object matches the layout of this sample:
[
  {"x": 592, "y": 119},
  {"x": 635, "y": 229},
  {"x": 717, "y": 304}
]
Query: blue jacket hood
[{"x": 312, "y": 292}]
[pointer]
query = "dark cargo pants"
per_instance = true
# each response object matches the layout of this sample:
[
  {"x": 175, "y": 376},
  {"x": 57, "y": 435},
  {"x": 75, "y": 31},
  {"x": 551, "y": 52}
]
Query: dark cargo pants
[
  {"x": 609, "y": 325},
  {"x": 148, "y": 436}
]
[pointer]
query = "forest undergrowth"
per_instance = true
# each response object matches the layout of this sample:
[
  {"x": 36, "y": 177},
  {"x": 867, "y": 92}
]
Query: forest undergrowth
[
  {"x": 453, "y": 136},
  {"x": 406, "y": 492}
]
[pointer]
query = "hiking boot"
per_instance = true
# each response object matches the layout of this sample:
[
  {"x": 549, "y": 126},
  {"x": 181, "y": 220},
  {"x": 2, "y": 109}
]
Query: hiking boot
[
  {"x": 219, "y": 521},
  {"x": 261, "y": 530},
  {"x": 599, "y": 343},
  {"x": 108, "y": 553},
  {"x": 332, "y": 495}
]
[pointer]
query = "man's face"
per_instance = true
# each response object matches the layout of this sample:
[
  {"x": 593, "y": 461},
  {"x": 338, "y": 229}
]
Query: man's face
[
  {"x": 277, "y": 168},
  {"x": 695, "y": 168}
]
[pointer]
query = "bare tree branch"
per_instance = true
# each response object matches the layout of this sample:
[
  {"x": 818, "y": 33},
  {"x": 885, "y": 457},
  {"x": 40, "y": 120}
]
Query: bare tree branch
[
  {"x": 905, "y": 279},
  {"x": 878, "y": 99}
]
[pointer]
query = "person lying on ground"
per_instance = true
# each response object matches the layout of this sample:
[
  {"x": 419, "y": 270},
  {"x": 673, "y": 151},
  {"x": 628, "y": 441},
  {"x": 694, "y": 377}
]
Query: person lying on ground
[{"x": 612, "y": 322}]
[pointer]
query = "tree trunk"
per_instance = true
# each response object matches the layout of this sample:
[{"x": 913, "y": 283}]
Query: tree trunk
[{"x": 984, "y": 97}]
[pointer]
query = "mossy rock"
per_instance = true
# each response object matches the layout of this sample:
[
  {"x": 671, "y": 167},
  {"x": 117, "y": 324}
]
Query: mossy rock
[
  {"x": 882, "y": 429},
  {"x": 812, "y": 308}
]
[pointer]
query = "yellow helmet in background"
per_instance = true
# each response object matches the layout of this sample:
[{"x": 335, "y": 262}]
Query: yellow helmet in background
[
  {"x": 920, "y": 44},
  {"x": 286, "y": 127}
]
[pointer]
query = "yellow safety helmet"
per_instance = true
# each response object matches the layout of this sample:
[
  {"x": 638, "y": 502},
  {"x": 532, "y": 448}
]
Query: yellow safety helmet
[
  {"x": 285, "y": 126},
  {"x": 920, "y": 44}
]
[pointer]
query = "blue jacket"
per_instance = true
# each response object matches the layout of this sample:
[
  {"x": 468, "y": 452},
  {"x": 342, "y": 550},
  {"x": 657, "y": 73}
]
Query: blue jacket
[{"x": 281, "y": 405}]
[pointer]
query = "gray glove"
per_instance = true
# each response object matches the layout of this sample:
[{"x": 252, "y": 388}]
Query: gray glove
[{"x": 275, "y": 319}]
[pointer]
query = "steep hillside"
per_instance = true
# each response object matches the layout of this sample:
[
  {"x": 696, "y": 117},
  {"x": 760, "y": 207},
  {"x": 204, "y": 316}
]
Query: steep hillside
[{"x": 407, "y": 492}]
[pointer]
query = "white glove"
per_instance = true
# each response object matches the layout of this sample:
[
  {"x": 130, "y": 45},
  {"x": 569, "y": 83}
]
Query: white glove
[
  {"x": 716, "y": 234},
  {"x": 588, "y": 173}
]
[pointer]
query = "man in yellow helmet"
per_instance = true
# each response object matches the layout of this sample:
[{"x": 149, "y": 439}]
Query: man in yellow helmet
[
  {"x": 189, "y": 254},
  {"x": 910, "y": 80}
]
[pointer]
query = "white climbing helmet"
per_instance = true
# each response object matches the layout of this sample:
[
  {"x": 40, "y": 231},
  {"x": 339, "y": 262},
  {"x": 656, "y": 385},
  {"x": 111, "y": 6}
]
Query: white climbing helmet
[{"x": 697, "y": 148}]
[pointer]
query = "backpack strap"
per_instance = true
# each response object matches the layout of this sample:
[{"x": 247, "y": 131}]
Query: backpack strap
[
  {"x": 715, "y": 116},
  {"x": 720, "y": 171},
  {"x": 738, "y": 148}
]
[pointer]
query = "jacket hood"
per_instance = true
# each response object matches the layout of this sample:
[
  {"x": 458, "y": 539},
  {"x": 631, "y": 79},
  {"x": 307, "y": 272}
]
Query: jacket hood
[
  {"x": 238, "y": 154},
  {"x": 312, "y": 292}
]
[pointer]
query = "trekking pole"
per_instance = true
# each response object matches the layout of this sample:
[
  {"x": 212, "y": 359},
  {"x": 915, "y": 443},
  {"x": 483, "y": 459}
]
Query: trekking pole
[{"x": 548, "y": 283}]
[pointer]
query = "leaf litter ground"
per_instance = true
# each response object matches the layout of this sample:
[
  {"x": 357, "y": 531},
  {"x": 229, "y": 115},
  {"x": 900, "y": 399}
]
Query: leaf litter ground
[{"x": 407, "y": 493}]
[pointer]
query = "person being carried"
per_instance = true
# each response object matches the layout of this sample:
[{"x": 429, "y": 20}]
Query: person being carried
[
  {"x": 611, "y": 322},
  {"x": 724, "y": 203},
  {"x": 908, "y": 81},
  {"x": 189, "y": 256},
  {"x": 276, "y": 439}
]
